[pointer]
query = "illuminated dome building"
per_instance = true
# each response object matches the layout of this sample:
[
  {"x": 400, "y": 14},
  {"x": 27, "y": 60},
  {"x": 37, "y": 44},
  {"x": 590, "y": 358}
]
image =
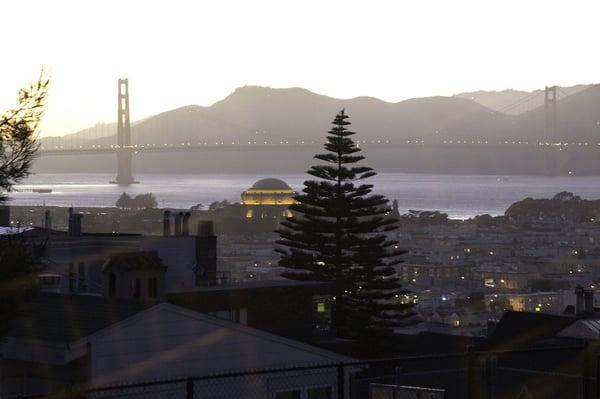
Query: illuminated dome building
[{"x": 267, "y": 199}]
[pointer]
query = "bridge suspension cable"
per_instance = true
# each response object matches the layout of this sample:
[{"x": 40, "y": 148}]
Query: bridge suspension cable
[{"x": 523, "y": 100}]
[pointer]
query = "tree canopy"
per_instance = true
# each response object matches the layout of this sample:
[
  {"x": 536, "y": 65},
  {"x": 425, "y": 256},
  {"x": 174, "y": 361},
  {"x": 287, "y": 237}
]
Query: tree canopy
[
  {"x": 564, "y": 206},
  {"x": 18, "y": 140},
  {"x": 338, "y": 234},
  {"x": 19, "y": 258},
  {"x": 140, "y": 201},
  {"x": 218, "y": 205}
]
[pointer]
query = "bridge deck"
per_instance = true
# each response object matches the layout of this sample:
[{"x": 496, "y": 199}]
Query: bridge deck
[{"x": 292, "y": 147}]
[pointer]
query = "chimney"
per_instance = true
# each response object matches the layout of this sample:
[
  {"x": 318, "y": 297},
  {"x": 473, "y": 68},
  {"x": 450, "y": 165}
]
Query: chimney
[
  {"x": 70, "y": 220},
  {"x": 491, "y": 326},
  {"x": 167, "y": 223},
  {"x": 74, "y": 223},
  {"x": 4, "y": 216},
  {"x": 206, "y": 254},
  {"x": 178, "y": 219},
  {"x": 579, "y": 300},
  {"x": 185, "y": 230},
  {"x": 588, "y": 301},
  {"x": 47, "y": 220}
]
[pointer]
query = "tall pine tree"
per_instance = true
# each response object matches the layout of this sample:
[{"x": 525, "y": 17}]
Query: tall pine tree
[{"x": 338, "y": 234}]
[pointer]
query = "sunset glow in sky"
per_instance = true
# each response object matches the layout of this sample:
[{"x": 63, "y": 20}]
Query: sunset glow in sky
[{"x": 177, "y": 53}]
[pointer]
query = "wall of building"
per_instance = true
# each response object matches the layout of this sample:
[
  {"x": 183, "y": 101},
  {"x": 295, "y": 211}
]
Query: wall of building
[
  {"x": 179, "y": 256},
  {"x": 287, "y": 310}
]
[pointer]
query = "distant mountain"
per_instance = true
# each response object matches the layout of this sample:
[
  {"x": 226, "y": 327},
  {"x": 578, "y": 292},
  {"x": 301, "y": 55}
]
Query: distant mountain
[
  {"x": 82, "y": 137},
  {"x": 507, "y": 101},
  {"x": 258, "y": 114},
  {"x": 263, "y": 114},
  {"x": 298, "y": 114},
  {"x": 99, "y": 130}
]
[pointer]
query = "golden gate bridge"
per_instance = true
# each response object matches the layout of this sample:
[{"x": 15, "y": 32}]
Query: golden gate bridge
[{"x": 125, "y": 150}]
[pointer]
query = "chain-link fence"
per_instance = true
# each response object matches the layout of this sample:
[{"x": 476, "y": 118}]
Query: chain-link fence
[
  {"x": 558, "y": 372},
  {"x": 315, "y": 382}
]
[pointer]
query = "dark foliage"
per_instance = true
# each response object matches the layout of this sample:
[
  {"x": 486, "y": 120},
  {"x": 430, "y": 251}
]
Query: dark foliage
[
  {"x": 124, "y": 201},
  {"x": 18, "y": 143},
  {"x": 564, "y": 206},
  {"x": 218, "y": 205},
  {"x": 475, "y": 302},
  {"x": 425, "y": 218},
  {"x": 141, "y": 201},
  {"x": 19, "y": 258},
  {"x": 338, "y": 234},
  {"x": 197, "y": 207},
  {"x": 19, "y": 263}
]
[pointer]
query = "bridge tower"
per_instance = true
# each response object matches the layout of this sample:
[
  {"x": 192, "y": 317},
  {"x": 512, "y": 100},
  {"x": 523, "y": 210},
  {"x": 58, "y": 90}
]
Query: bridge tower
[
  {"x": 550, "y": 113},
  {"x": 124, "y": 152}
]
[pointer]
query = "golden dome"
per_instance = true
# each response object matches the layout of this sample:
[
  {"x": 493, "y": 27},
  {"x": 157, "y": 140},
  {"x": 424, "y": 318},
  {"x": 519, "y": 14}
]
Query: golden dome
[
  {"x": 269, "y": 192},
  {"x": 270, "y": 184}
]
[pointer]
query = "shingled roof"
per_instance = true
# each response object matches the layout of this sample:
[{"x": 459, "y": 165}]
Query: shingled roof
[
  {"x": 139, "y": 260},
  {"x": 67, "y": 318}
]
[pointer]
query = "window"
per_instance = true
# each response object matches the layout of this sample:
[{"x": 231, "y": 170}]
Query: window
[
  {"x": 152, "y": 287},
  {"x": 136, "y": 288},
  {"x": 81, "y": 280},
  {"x": 321, "y": 313},
  {"x": 320, "y": 393},
  {"x": 293, "y": 394},
  {"x": 71, "y": 277},
  {"x": 237, "y": 315},
  {"x": 325, "y": 392},
  {"x": 112, "y": 285}
]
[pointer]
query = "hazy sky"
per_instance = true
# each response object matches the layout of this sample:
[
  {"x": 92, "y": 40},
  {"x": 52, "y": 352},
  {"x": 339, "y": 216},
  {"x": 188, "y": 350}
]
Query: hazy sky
[{"x": 196, "y": 52}]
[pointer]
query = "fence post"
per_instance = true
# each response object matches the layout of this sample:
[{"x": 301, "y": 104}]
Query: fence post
[
  {"x": 587, "y": 372},
  {"x": 189, "y": 389},
  {"x": 398, "y": 375},
  {"x": 597, "y": 377},
  {"x": 341, "y": 383},
  {"x": 470, "y": 372}
]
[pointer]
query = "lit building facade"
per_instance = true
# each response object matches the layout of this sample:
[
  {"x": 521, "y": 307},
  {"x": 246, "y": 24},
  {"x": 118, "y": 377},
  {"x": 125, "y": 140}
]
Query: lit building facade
[{"x": 267, "y": 199}]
